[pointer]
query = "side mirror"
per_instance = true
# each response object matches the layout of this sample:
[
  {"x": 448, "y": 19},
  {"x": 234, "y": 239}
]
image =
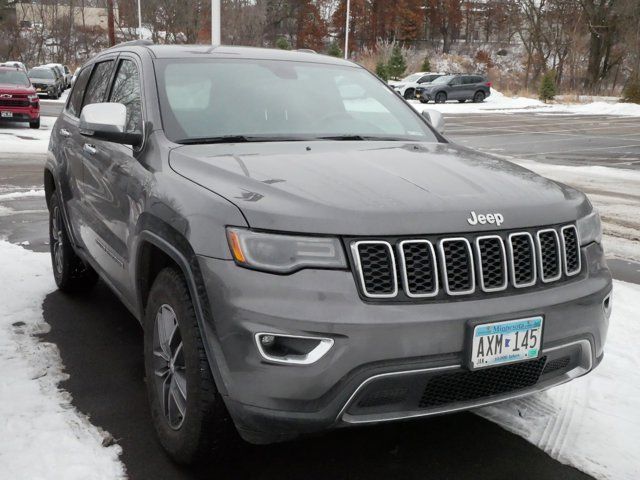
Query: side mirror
[
  {"x": 435, "y": 118},
  {"x": 107, "y": 121}
]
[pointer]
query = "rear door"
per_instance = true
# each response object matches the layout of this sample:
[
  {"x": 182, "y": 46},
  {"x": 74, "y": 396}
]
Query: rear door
[
  {"x": 456, "y": 89},
  {"x": 109, "y": 170}
]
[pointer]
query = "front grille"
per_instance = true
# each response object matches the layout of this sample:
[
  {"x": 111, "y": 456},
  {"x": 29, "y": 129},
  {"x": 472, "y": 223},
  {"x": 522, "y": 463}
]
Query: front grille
[
  {"x": 472, "y": 385},
  {"x": 502, "y": 261},
  {"x": 14, "y": 102}
]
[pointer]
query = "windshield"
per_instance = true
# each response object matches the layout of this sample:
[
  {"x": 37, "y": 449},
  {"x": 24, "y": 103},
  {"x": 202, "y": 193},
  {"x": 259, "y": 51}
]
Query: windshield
[
  {"x": 44, "y": 73},
  {"x": 14, "y": 77},
  {"x": 265, "y": 99},
  {"x": 445, "y": 79},
  {"x": 412, "y": 78}
]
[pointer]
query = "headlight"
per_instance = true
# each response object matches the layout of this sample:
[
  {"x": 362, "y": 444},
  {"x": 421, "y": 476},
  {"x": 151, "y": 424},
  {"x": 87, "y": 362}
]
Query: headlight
[
  {"x": 278, "y": 253},
  {"x": 33, "y": 98},
  {"x": 589, "y": 228}
]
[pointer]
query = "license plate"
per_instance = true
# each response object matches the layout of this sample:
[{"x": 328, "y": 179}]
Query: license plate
[
  {"x": 506, "y": 342},
  {"x": 6, "y": 114}
]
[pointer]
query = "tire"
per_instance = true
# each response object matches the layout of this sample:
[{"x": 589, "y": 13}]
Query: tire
[
  {"x": 409, "y": 94},
  {"x": 424, "y": 100},
  {"x": 35, "y": 124},
  {"x": 72, "y": 275},
  {"x": 188, "y": 413},
  {"x": 441, "y": 97},
  {"x": 478, "y": 97},
  {"x": 462, "y": 101}
]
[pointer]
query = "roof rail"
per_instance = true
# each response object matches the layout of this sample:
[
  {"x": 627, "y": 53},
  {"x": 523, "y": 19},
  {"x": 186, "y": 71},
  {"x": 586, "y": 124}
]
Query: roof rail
[{"x": 134, "y": 43}]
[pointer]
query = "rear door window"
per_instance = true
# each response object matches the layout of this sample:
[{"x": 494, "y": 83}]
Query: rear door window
[
  {"x": 75, "y": 101},
  {"x": 97, "y": 88}
]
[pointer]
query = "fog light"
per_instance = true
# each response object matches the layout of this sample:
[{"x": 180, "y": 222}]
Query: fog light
[{"x": 292, "y": 349}]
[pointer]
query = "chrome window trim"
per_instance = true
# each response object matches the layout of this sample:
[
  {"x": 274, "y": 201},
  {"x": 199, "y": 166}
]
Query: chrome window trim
[
  {"x": 504, "y": 264},
  {"x": 560, "y": 255},
  {"x": 356, "y": 256},
  {"x": 403, "y": 269},
  {"x": 445, "y": 276},
  {"x": 313, "y": 356},
  {"x": 512, "y": 267},
  {"x": 564, "y": 251},
  {"x": 586, "y": 365}
]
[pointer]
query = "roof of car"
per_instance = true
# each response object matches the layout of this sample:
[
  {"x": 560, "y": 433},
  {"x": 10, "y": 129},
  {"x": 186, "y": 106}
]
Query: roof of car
[{"x": 223, "y": 51}]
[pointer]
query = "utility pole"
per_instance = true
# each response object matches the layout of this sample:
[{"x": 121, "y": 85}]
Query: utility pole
[
  {"x": 215, "y": 22},
  {"x": 139, "y": 21},
  {"x": 110, "y": 21},
  {"x": 346, "y": 30}
]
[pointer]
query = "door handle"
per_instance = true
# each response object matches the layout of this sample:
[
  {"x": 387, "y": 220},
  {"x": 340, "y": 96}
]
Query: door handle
[
  {"x": 90, "y": 149},
  {"x": 64, "y": 132}
]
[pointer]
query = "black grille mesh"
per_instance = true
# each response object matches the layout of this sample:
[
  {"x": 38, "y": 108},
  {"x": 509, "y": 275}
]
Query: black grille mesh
[
  {"x": 549, "y": 254},
  {"x": 377, "y": 268},
  {"x": 492, "y": 262},
  {"x": 557, "y": 364},
  {"x": 420, "y": 268},
  {"x": 472, "y": 385},
  {"x": 15, "y": 102},
  {"x": 523, "y": 259},
  {"x": 457, "y": 265},
  {"x": 572, "y": 250}
]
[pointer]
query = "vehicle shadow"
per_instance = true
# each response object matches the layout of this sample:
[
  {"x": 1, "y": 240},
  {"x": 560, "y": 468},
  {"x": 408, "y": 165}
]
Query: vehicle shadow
[{"x": 101, "y": 346}]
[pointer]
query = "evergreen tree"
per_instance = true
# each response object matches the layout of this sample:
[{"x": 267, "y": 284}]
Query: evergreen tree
[
  {"x": 426, "y": 65},
  {"x": 397, "y": 64},
  {"x": 382, "y": 70},
  {"x": 631, "y": 92},
  {"x": 547, "y": 89},
  {"x": 283, "y": 44},
  {"x": 335, "y": 50}
]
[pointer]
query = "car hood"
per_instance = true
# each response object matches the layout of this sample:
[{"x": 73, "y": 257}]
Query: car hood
[
  {"x": 374, "y": 188},
  {"x": 43, "y": 81},
  {"x": 12, "y": 88}
]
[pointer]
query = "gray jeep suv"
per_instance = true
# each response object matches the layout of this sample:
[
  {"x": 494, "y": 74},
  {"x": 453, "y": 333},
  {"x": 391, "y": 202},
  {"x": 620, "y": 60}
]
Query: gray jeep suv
[{"x": 305, "y": 251}]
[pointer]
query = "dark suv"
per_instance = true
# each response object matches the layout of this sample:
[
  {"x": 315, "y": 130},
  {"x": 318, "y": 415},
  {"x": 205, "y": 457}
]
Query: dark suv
[
  {"x": 455, "y": 87},
  {"x": 312, "y": 254}
]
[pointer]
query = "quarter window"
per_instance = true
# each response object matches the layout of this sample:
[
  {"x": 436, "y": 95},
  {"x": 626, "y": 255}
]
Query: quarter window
[
  {"x": 98, "y": 83},
  {"x": 126, "y": 90},
  {"x": 75, "y": 101}
]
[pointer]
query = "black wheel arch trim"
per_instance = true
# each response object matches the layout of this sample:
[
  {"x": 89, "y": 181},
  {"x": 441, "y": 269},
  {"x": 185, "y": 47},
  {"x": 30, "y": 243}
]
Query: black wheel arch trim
[{"x": 179, "y": 250}]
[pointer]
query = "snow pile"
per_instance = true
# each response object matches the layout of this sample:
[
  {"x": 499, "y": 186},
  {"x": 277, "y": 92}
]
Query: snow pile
[
  {"x": 21, "y": 194},
  {"x": 592, "y": 423},
  {"x": 41, "y": 435},
  {"x": 497, "y": 102},
  {"x": 19, "y": 138}
]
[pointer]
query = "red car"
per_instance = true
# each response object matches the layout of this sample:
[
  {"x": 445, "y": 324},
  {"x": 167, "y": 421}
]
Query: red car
[{"x": 18, "y": 99}]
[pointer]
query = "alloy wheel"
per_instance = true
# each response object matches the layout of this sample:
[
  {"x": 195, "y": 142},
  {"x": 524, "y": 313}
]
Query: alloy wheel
[{"x": 169, "y": 366}]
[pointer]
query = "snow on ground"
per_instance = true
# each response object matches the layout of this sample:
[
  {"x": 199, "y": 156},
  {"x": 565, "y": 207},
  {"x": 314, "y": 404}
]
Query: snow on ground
[
  {"x": 500, "y": 103},
  {"x": 19, "y": 138},
  {"x": 42, "y": 436},
  {"x": 593, "y": 422}
]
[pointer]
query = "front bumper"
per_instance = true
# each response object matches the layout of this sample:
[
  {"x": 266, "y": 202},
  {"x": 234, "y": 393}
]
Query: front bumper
[
  {"x": 21, "y": 114},
  {"x": 406, "y": 344}
]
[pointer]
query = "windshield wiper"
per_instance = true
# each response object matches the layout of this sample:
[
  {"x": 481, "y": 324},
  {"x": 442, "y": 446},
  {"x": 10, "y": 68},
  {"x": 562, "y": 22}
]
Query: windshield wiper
[
  {"x": 357, "y": 138},
  {"x": 236, "y": 139}
]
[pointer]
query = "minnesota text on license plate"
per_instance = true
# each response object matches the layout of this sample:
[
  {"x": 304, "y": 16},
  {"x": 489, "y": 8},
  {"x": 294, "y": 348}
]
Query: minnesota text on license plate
[{"x": 506, "y": 342}]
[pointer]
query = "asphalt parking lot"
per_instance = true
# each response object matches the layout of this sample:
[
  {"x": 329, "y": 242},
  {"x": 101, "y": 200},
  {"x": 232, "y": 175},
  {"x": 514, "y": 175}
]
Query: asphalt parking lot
[{"x": 101, "y": 344}]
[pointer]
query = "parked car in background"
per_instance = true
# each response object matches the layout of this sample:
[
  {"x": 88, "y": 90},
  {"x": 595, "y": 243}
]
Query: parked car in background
[
  {"x": 407, "y": 87},
  {"x": 45, "y": 81},
  {"x": 64, "y": 71},
  {"x": 59, "y": 74},
  {"x": 18, "y": 99},
  {"x": 460, "y": 87},
  {"x": 13, "y": 63}
]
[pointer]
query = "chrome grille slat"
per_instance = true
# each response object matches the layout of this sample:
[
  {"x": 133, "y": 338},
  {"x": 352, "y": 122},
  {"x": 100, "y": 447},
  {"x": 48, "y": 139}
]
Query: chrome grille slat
[
  {"x": 452, "y": 266},
  {"x": 490, "y": 250},
  {"x": 416, "y": 285}
]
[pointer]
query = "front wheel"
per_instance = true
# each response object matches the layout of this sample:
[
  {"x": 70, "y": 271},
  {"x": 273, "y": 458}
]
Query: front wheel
[
  {"x": 35, "y": 124},
  {"x": 70, "y": 272},
  {"x": 409, "y": 94},
  {"x": 441, "y": 97},
  {"x": 188, "y": 413}
]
